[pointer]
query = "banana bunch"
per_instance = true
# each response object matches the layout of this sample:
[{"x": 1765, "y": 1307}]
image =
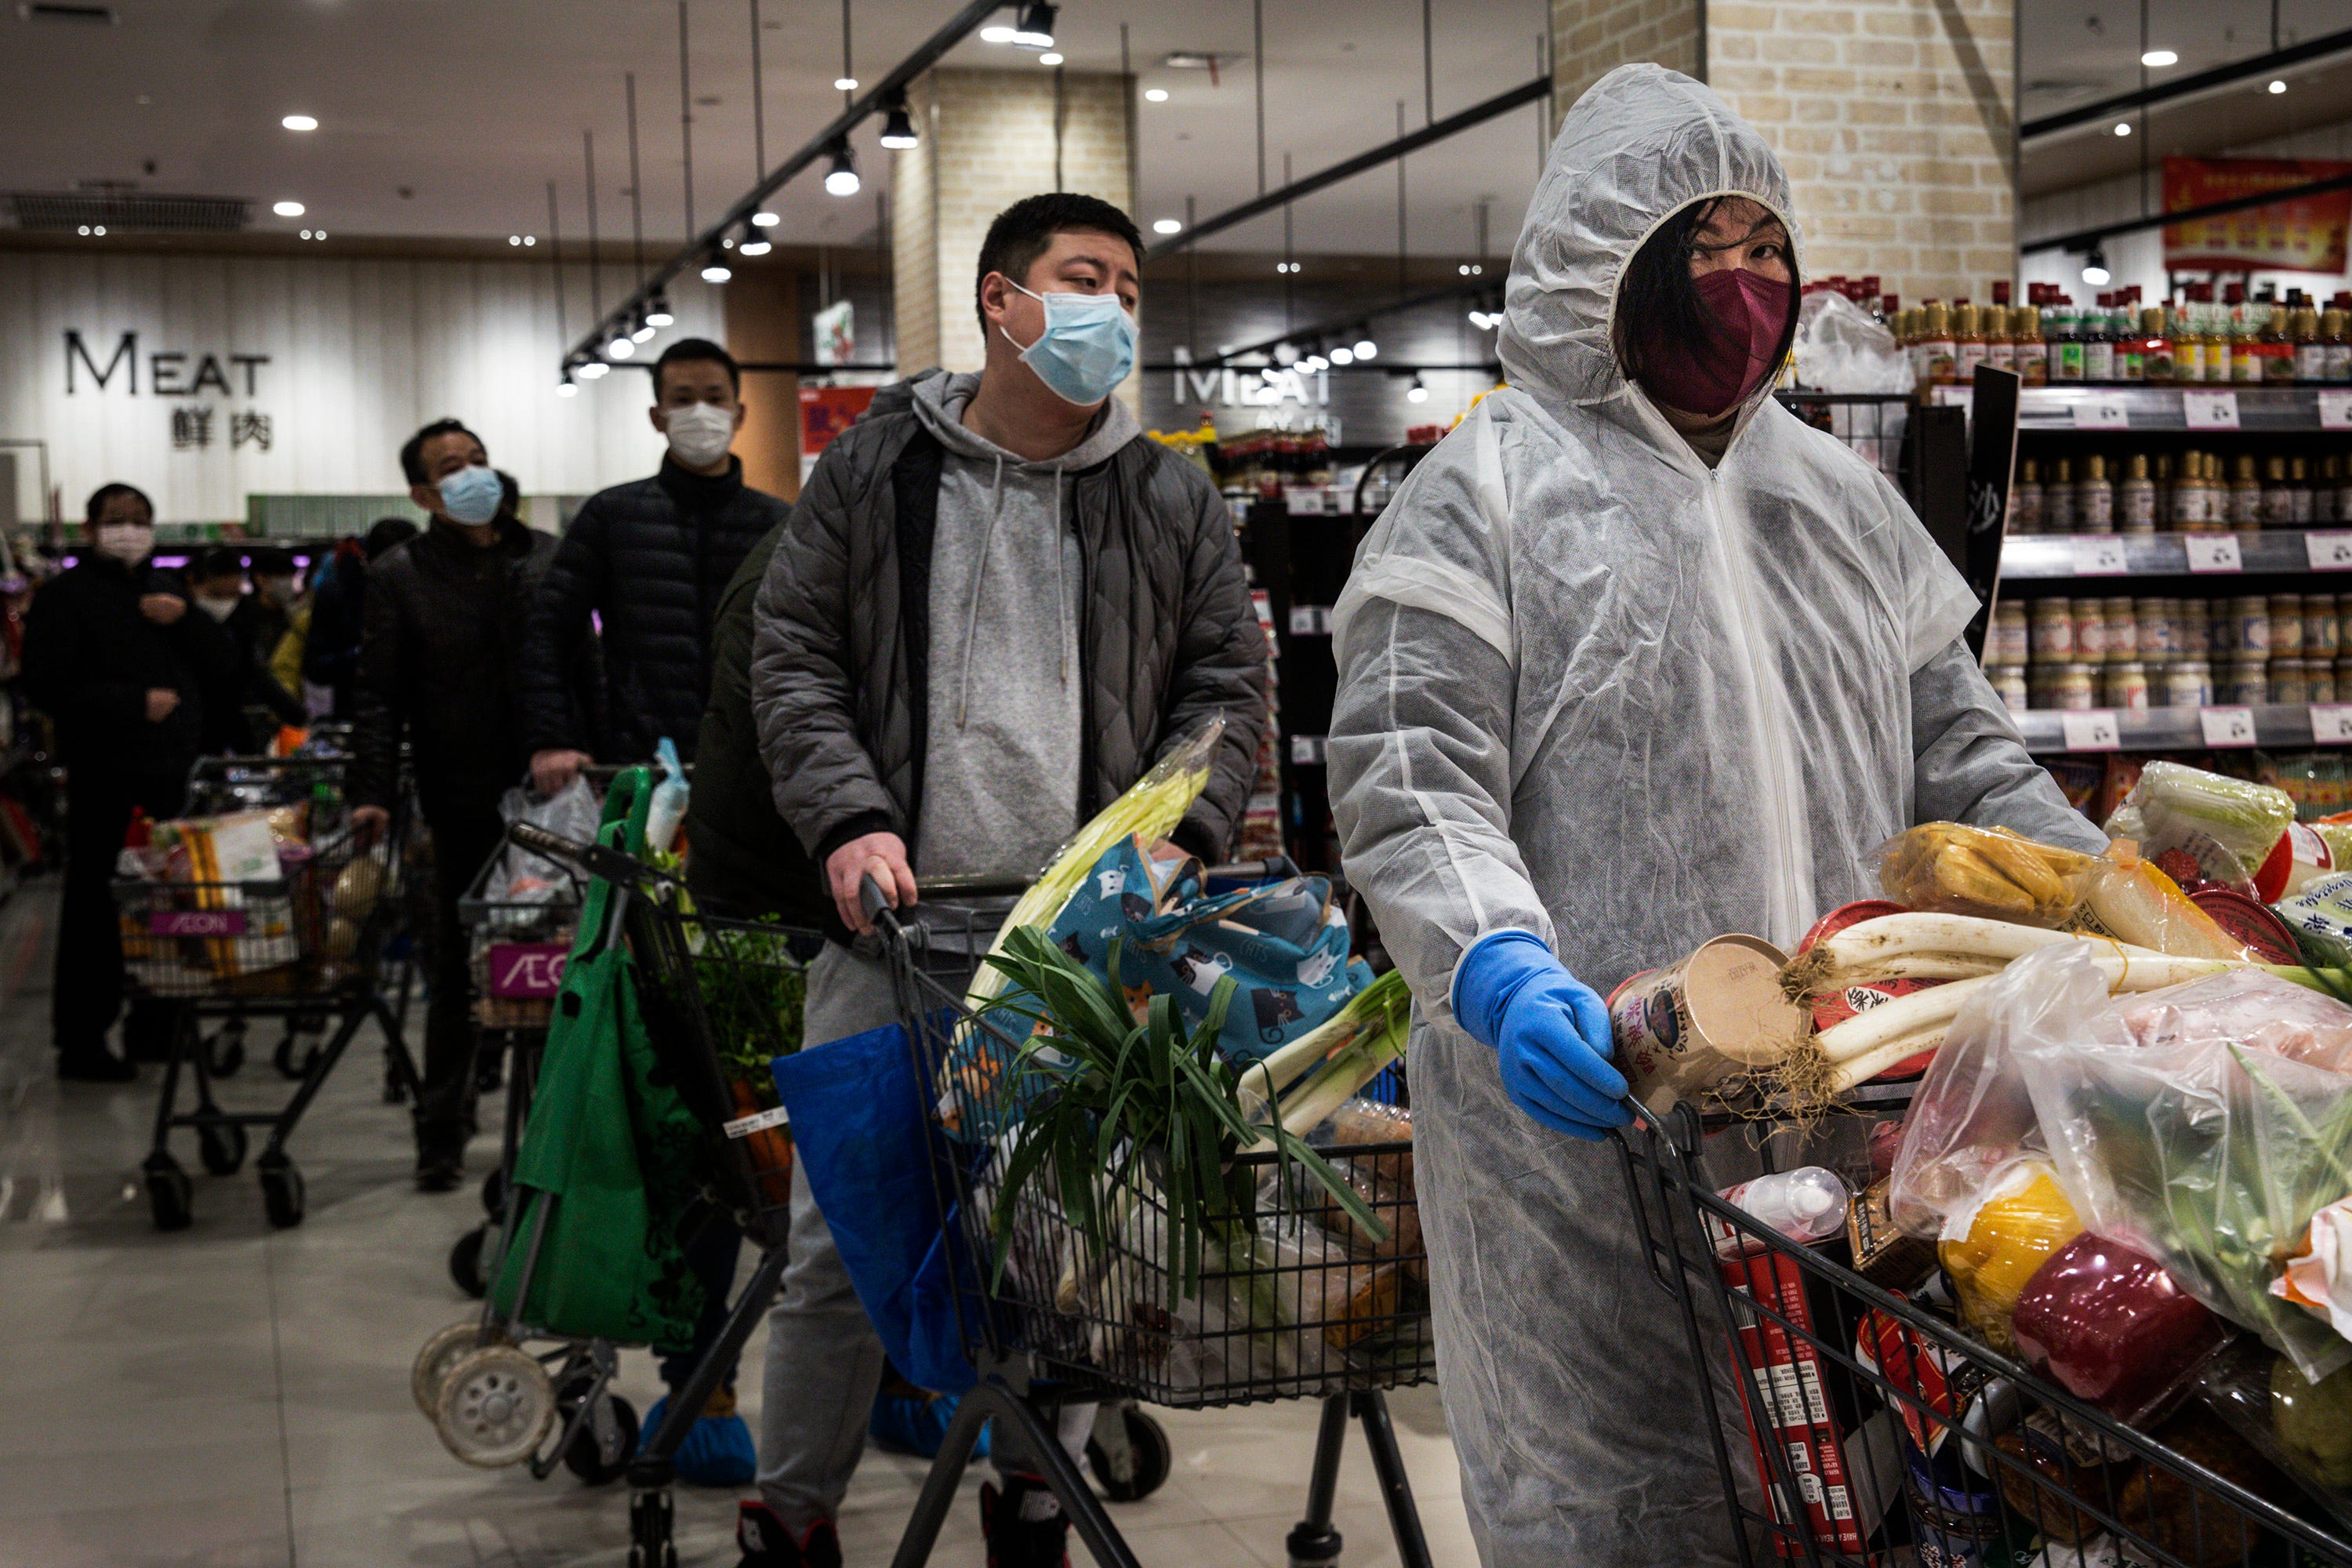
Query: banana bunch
[{"x": 1951, "y": 868}]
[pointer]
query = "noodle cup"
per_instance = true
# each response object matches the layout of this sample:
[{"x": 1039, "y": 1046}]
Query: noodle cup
[{"x": 1683, "y": 1030}]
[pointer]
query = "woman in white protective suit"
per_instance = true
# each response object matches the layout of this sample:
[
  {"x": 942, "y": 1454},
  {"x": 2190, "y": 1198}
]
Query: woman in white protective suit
[{"x": 1634, "y": 659}]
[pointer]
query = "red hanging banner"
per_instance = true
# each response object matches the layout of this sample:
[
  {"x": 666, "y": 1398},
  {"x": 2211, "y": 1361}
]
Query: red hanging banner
[{"x": 2302, "y": 234}]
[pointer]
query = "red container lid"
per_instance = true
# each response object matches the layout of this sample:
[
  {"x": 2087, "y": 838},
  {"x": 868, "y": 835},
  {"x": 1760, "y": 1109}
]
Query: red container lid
[
  {"x": 1852, "y": 914},
  {"x": 2250, "y": 922}
]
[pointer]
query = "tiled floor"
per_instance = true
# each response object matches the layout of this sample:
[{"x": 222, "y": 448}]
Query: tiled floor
[{"x": 233, "y": 1396}]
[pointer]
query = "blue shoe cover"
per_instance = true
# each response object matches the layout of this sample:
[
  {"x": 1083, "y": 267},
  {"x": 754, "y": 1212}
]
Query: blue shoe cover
[
  {"x": 716, "y": 1452},
  {"x": 917, "y": 1427}
]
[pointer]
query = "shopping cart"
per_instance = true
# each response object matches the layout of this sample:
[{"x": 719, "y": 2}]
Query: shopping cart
[
  {"x": 1889, "y": 1429},
  {"x": 1297, "y": 1315},
  {"x": 709, "y": 991},
  {"x": 516, "y": 951},
  {"x": 306, "y": 947}
]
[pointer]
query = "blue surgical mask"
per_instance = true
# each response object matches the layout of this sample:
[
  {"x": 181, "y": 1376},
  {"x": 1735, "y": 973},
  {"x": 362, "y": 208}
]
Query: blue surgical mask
[
  {"x": 1087, "y": 349},
  {"x": 471, "y": 496}
]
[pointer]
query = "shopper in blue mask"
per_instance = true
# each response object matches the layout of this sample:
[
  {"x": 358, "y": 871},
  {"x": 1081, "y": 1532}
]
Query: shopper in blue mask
[
  {"x": 438, "y": 657},
  {"x": 994, "y": 604}
]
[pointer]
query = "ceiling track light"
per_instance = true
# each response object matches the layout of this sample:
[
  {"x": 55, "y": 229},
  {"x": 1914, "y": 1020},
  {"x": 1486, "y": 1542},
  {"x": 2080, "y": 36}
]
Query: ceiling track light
[
  {"x": 643, "y": 330},
  {"x": 714, "y": 265},
  {"x": 897, "y": 126},
  {"x": 1418, "y": 391},
  {"x": 1343, "y": 355},
  {"x": 657, "y": 314},
  {"x": 622, "y": 345},
  {"x": 2095, "y": 268},
  {"x": 567, "y": 387},
  {"x": 841, "y": 179},
  {"x": 594, "y": 370},
  {"x": 1366, "y": 348},
  {"x": 755, "y": 242},
  {"x": 1034, "y": 29}
]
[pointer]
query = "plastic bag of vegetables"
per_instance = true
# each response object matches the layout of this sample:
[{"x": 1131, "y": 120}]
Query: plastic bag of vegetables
[{"x": 2230, "y": 827}]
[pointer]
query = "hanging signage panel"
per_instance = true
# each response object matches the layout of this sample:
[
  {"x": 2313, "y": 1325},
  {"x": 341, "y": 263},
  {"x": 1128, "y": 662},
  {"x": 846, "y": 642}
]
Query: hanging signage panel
[{"x": 2305, "y": 235}]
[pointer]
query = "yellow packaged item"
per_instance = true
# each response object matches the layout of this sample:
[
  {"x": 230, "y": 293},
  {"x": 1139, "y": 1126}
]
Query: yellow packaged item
[
  {"x": 2008, "y": 1237},
  {"x": 1951, "y": 868}
]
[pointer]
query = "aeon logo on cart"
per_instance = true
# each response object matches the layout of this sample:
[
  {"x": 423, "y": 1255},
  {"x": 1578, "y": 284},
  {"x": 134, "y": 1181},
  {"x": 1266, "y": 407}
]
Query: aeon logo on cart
[{"x": 527, "y": 969}]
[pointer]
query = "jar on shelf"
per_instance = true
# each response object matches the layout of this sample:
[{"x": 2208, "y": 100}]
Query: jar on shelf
[
  {"x": 2025, "y": 500},
  {"x": 2242, "y": 680},
  {"x": 2008, "y": 680},
  {"x": 2298, "y": 493},
  {"x": 2050, "y": 625},
  {"x": 2325, "y": 491},
  {"x": 2119, "y": 628},
  {"x": 2090, "y": 631},
  {"x": 2007, "y": 641},
  {"x": 2278, "y": 495},
  {"x": 2094, "y": 498},
  {"x": 2290, "y": 681},
  {"x": 2076, "y": 687},
  {"x": 2245, "y": 495},
  {"x": 2343, "y": 678},
  {"x": 2195, "y": 623},
  {"x": 2041, "y": 686},
  {"x": 2136, "y": 498},
  {"x": 2286, "y": 625},
  {"x": 2319, "y": 676},
  {"x": 2186, "y": 683},
  {"x": 2124, "y": 685},
  {"x": 2246, "y": 627},
  {"x": 2159, "y": 630},
  {"x": 2058, "y": 500}
]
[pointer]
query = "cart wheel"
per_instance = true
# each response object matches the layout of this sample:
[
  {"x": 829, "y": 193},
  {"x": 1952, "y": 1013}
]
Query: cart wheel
[
  {"x": 1140, "y": 1471},
  {"x": 171, "y": 1197},
  {"x": 281, "y": 1192},
  {"x": 651, "y": 1516},
  {"x": 445, "y": 1349},
  {"x": 287, "y": 1064},
  {"x": 466, "y": 1259},
  {"x": 497, "y": 1405},
  {"x": 224, "y": 1053},
  {"x": 494, "y": 1193},
  {"x": 600, "y": 1450},
  {"x": 222, "y": 1146}
]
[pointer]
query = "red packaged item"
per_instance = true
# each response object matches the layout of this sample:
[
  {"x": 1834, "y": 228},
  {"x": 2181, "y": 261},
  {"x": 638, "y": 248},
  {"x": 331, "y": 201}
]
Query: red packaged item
[
  {"x": 2110, "y": 1326},
  {"x": 1786, "y": 1373}
]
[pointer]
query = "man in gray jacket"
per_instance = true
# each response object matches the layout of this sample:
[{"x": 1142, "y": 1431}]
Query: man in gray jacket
[{"x": 994, "y": 605}]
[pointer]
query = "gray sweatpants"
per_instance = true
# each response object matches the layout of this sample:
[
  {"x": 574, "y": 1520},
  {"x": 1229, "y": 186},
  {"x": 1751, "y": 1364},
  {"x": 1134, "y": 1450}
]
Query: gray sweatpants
[{"x": 824, "y": 1360}]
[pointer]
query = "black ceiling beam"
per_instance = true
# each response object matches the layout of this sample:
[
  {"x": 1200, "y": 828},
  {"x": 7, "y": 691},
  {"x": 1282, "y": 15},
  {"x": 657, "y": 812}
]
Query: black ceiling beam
[
  {"x": 927, "y": 53},
  {"x": 1347, "y": 168},
  {"x": 2086, "y": 238},
  {"x": 2220, "y": 76},
  {"x": 1338, "y": 325}
]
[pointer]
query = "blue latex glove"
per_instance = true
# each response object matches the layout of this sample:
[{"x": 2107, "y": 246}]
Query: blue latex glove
[{"x": 1551, "y": 1030}]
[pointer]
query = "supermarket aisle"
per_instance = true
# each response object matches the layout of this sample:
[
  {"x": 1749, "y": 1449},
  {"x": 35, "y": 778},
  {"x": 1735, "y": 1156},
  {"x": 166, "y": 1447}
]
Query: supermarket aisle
[{"x": 233, "y": 1396}]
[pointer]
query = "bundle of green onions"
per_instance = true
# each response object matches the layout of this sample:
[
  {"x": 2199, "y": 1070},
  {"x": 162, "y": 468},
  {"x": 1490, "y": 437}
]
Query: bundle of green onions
[
  {"x": 1150, "y": 809},
  {"x": 1117, "y": 1104},
  {"x": 1299, "y": 1086}
]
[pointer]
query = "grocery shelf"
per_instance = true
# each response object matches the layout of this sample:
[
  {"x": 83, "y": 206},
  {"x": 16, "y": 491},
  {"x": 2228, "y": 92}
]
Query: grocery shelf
[
  {"x": 2108, "y": 408},
  {"x": 2275, "y": 725},
  {"x": 2048, "y": 555}
]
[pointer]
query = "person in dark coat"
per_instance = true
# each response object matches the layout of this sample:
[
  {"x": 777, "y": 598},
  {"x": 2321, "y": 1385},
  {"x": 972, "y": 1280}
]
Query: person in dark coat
[
  {"x": 648, "y": 560},
  {"x": 338, "y": 606},
  {"x": 254, "y": 622},
  {"x": 114, "y": 655},
  {"x": 438, "y": 661}
]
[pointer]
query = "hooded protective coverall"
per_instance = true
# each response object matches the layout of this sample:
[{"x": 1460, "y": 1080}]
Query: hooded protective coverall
[{"x": 1593, "y": 689}]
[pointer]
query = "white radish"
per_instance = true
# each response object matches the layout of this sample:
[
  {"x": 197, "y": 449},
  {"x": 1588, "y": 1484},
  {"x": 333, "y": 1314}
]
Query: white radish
[{"x": 1891, "y": 934}]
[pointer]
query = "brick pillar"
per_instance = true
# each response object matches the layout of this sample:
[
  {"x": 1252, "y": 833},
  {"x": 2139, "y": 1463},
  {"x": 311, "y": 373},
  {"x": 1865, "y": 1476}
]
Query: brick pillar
[
  {"x": 1892, "y": 117},
  {"x": 988, "y": 139}
]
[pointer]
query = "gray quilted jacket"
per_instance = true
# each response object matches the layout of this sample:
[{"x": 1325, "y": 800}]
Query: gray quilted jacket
[{"x": 840, "y": 667}]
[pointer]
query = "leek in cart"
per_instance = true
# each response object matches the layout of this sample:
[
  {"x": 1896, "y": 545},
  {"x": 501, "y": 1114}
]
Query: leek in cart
[{"x": 1110, "y": 1105}]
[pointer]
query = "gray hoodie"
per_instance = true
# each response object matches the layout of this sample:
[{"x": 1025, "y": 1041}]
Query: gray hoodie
[{"x": 1001, "y": 761}]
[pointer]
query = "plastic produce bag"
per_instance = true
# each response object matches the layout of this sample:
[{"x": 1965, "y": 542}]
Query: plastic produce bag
[
  {"x": 2230, "y": 827},
  {"x": 1949, "y": 868},
  {"x": 2320, "y": 916},
  {"x": 2304, "y": 1428},
  {"x": 523, "y": 877},
  {"x": 2021, "y": 1223},
  {"x": 1840, "y": 349},
  {"x": 2129, "y": 896},
  {"x": 2110, "y": 1326},
  {"x": 670, "y": 798}
]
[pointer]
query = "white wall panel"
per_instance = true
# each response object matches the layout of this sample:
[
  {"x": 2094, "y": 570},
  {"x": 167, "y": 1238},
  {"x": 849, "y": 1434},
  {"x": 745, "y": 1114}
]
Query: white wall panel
[{"x": 359, "y": 353}]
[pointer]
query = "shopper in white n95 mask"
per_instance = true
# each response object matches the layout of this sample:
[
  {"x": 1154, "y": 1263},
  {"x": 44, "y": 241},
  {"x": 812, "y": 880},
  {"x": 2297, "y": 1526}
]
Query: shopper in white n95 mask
[{"x": 1623, "y": 675}]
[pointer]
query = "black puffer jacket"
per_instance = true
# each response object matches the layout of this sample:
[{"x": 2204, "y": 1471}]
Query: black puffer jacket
[
  {"x": 438, "y": 657},
  {"x": 840, "y": 669},
  {"x": 650, "y": 559},
  {"x": 91, "y": 657}
]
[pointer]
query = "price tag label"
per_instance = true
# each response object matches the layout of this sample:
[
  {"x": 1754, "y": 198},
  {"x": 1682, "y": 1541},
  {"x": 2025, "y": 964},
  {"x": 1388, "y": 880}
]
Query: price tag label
[
  {"x": 2335, "y": 411},
  {"x": 2227, "y": 726},
  {"x": 1307, "y": 750},
  {"x": 2092, "y": 731},
  {"x": 2210, "y": 410},
  {"x": 2331, "y": 721},
  {"x": 2100, "y": 555},
  {"x": 2213, "y": 553},
  {"x": 1314, "y": 620},
  {"x": 758, "y": 1122},
  {"x": 2101, "y": 414},
  {"x": 1304, "y": 500},
  {"x": 2329, "y": 552}
]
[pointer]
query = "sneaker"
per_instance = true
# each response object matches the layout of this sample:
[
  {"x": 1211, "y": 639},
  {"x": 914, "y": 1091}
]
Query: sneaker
[
  {"x": 94, "y": 1064},
  {"x": 767, "y": 1542},
  {"x": 1025, "y": 1525}
]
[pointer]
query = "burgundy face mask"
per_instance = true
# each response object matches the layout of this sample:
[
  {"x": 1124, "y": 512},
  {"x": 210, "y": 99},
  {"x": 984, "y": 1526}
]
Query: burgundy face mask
[{"x": 1747, "y": 312}]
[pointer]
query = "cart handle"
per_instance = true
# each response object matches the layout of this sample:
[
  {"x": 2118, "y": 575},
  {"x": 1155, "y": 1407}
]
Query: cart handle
[{"x": 593, "y": 858}]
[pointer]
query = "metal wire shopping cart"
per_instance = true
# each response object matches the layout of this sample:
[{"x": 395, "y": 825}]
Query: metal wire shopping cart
[
  {"x": 306, "y": 946},
  {"x": 1286, "y": 1307},
  {"x": 719, "y": 1000},
  {"x": 1852, "y": 1425}
]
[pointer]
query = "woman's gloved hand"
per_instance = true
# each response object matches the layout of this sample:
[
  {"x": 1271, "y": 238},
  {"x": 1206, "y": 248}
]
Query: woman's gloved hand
[{"x": 1549, "y": 1028}]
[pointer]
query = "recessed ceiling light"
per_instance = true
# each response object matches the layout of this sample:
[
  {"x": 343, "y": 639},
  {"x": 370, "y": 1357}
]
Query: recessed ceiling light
[
  {"x": 288, "y": 209},
  {"x": 531, "y": 239},
  {"x": 2278, "y": 87},
  {"x": 1155, "y": 95},
  {"x": 306, "y": 233},
  {"x": 1168, "y": 226},
  {"x": 1049, "y": 59},
  {"x": 2155, "y": 59},
  {"x": 299, "y": 122},
  {"x": 845, "y": 84},
  {"x": 2123, "y": 127},
  {"x": 514, "y": 240}
]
